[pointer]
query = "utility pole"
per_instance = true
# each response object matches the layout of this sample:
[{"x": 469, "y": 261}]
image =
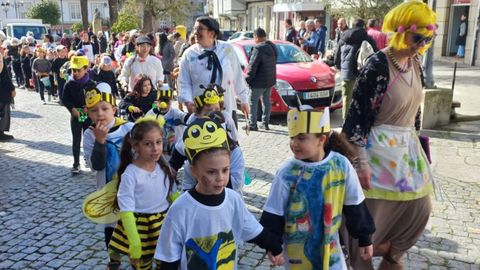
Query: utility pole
[{"x": 428, "y": 60}]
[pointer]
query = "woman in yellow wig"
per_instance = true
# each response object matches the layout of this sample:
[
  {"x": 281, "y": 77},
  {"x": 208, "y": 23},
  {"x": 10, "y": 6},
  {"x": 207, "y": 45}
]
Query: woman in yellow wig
[{"x": 381, "y": 123}]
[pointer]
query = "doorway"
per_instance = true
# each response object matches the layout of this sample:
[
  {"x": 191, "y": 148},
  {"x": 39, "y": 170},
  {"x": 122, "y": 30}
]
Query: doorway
[{"x": 456, "y": 12}]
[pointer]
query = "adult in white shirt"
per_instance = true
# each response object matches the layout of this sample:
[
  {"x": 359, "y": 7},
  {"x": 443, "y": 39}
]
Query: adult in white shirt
[
  {"x": 212, "y": 61},
  {"x": 142, "y": 63}
]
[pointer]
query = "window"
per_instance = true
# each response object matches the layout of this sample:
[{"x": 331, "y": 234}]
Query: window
[
  {"x": 260, "y": 17},
  {"x": 75, "y": 12}
]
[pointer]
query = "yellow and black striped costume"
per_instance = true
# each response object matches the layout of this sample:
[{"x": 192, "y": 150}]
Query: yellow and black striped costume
[{"x": 148, "y": 227}]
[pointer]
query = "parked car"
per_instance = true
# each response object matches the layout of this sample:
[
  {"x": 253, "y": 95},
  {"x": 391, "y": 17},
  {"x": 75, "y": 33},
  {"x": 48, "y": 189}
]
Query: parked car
[
  {"x": 225, "y": 34},
  {"x": 300, "y": 80},
  {"x": 242, "y": 35}
]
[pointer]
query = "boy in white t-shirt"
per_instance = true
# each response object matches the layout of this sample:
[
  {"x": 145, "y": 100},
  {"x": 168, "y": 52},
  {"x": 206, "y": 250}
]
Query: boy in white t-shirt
[{"x": 205, "y": 226}]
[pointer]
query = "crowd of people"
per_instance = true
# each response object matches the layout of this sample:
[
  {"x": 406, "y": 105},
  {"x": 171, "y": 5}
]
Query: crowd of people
[{"x": 374, "y": 177}]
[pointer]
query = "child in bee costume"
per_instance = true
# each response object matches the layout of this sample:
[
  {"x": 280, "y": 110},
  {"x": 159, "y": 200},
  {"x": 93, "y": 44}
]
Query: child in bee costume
[
  {"x": 175, "y": 119},
  {"x": 146, "y": 189},
  {"x": 208, "y": 104},
  {"x": 102, "y": 143},
  {"x": 205, "y": 226},
  {"x": 311, "y": 192}
]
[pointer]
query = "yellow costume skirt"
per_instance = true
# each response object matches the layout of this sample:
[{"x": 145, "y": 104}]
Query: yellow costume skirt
[{"x": 148, "y": 227}]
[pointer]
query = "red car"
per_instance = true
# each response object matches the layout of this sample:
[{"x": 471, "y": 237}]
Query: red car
[{"x": 300, "y": 80}]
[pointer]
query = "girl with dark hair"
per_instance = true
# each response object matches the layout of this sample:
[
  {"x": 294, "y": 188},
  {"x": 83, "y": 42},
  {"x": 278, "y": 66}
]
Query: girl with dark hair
[
  {"x": 140, "y": 100},
  {"x": 311, "y": 193},
  {"x": 146, "y": 189}
]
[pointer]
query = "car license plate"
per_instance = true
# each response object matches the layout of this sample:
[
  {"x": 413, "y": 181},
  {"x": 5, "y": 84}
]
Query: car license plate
[{"x": 316, "y": 94}]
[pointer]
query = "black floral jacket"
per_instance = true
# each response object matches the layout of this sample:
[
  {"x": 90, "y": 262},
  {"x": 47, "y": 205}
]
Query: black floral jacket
[{"x": 369, "y": 88}]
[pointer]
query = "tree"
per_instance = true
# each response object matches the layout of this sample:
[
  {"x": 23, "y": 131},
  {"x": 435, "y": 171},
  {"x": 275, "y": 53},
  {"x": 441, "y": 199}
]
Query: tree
[
  {"x": 126, "y": 22},
  {"x": 84, "y": 10},
  {"x": 363, "y": 9},
  {"x": 48, "y": 11},
  {"x": 174, "y": 10},
  {"x": 112, "y": 10}
]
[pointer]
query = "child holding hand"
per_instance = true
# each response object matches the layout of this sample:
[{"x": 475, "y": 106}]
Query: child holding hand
[
  {"x": 205, "y": 225},
  {"x": 311, "y": 192}
]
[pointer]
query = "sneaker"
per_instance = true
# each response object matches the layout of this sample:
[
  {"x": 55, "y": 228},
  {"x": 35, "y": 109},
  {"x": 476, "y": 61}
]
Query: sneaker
[
  {"x": 49, "y": 98},
  {"x": 265, "y": 126},
  {"x": 75, "y": 170},
  {"x": 5, "y": 137},
  {"x": 44, "y": 102}
]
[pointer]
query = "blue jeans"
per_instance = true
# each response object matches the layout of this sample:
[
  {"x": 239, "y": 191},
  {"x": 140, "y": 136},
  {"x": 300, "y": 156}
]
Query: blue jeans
[
  {"x": 266, "y": 105},
  {"x": 461, "y": 50}
]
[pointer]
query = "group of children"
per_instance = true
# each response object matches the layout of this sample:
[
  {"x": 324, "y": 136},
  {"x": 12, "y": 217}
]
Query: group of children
[{"x": 201, "y": 223}]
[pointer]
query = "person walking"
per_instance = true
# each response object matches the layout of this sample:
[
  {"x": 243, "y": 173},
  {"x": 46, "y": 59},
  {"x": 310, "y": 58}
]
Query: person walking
[
  {"x": 290, "y": 32},
  {"x": 261, "y": 77},
  {"x": 321, "y": 29},
  {"x": 346, "y": 59},
  {"x": 212, "y": 61},
  {"x": 392, "y": 167},
  {"x": 7, "y": 93},
  {"x": 142, "y": 63},
  {"x": 462, "y": 36},
  {"x": 379, "y": 37},
  {"x": 166, "y": 51}
]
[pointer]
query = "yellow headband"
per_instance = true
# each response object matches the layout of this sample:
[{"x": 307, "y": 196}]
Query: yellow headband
[
  {"x": 308, "y": 122},
  {"x": 210, "y": 96},
  {"x": 159, "y": 120},
  {"x": 203, "y": 134},
  {"x": 164, "y": 94},
  {"x": 94, "y": 96}
]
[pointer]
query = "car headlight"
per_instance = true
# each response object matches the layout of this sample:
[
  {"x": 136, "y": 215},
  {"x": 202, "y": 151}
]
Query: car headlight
[{"x": 284, "y": 88}]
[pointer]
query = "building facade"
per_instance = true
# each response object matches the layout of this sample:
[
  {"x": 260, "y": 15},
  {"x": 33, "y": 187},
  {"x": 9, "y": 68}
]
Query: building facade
[
  {"x": 448, "y": 19},
  {"x": 297, "y": 11}
]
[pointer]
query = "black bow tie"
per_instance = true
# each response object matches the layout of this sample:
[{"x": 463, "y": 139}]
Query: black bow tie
[{"x": 213, "y": 63}]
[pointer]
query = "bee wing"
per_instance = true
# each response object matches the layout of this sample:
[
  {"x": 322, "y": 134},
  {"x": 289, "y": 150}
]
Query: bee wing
[{"x": 98, "y": 206}]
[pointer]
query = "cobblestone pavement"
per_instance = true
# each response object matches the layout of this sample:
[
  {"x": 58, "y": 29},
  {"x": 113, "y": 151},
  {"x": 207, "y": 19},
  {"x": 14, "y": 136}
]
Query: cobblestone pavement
[{"x": 42, "y": 226}]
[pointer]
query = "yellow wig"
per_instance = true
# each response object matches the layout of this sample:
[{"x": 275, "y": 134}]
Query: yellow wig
[{"x": 411, "y": 16}]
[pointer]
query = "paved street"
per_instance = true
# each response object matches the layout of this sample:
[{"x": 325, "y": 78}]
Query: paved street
[{"x": 42, "y": 226}]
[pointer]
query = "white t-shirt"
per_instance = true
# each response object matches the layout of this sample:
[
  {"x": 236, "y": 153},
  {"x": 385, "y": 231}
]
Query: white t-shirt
[
  {"x": 299, "y": 193},
  {"x": 141, "y": 191},
  {"x": 206, "y": 237}
]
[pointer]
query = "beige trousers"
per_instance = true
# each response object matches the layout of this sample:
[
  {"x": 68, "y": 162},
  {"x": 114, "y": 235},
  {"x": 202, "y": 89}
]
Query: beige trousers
[{"x": 399, "y": 224}]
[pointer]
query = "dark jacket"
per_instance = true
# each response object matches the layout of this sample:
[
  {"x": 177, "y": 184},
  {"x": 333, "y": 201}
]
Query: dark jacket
[
  {"x": 346, "y": 54},
  {"x": 103, "y": 44},
  {"x": 26, "y": 65},
  {"x": 143, "y": 103},
  {"x": 291, "y": 35},
  {"x": 262, "y": 65},
  {"x": 107, "y": 77},
  {"x": 322, "y": 35},
  {"x": 6, "y": 87},
  {"x": 74, "y": 94}
]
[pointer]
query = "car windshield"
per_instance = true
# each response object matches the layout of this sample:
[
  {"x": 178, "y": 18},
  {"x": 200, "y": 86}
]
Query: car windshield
[
  {"x": 236, "y": 35},
  {"x": 22, "y": 30},
  {"x": 287, "y": 53}
]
